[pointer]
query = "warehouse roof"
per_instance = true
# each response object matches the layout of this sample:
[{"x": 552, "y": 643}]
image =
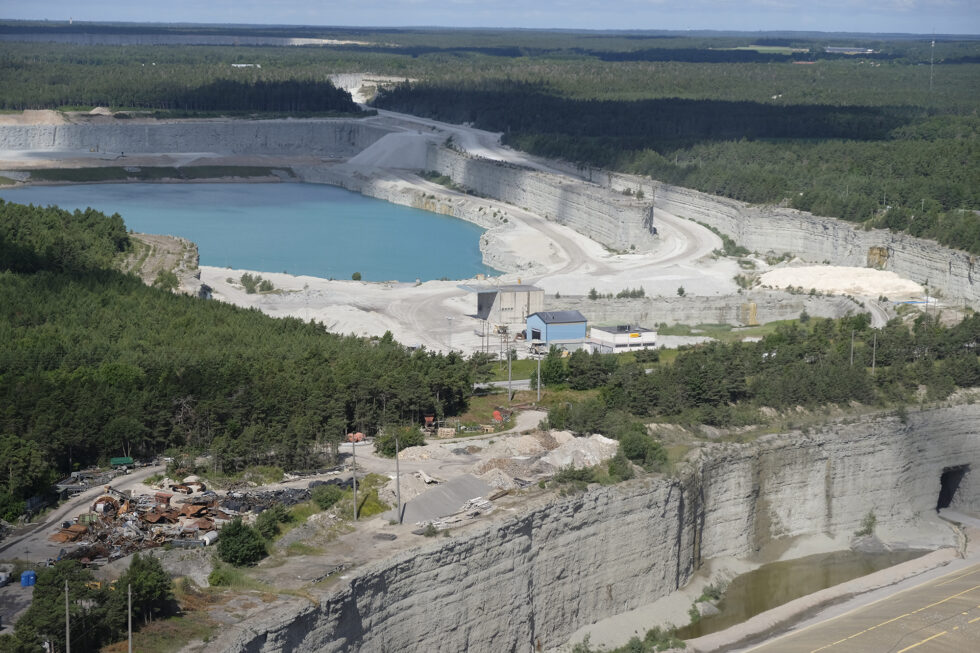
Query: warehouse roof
[{"x": 558, "y": 317}]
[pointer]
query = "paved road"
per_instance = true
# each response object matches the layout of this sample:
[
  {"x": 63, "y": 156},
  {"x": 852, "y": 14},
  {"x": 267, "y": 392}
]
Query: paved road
[
  {"x": 35, "y": 545},
  {"x": 938, "y": 616}
]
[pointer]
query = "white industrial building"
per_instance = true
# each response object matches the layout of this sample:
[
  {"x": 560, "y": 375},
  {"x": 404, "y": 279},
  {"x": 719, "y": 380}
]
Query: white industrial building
[{"x": 620, "y": 338}]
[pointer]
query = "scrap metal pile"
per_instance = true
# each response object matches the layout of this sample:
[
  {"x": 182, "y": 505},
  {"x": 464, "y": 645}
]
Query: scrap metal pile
[{"x": 119, "y": 523}]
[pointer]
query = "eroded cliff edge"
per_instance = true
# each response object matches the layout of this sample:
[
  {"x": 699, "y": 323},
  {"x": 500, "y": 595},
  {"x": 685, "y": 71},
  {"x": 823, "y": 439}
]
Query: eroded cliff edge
[{"x": 532, "y": 579}]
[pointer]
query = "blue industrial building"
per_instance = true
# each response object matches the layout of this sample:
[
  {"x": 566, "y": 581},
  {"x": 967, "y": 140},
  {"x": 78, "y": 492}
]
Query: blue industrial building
[{"x": 556, "y": 327}]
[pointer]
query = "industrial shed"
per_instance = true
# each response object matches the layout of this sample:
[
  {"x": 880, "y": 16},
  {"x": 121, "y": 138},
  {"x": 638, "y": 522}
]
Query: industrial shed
[{"x": 556, "y": 328}]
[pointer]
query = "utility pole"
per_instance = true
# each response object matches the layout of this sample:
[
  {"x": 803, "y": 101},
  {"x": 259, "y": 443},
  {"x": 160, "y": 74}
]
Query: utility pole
[
  {"x": 852, "y": 347},
  {"x": 932, "y": 53},
  {"x": 129, "y": 595},
  {"x": 67, "y": 626},
  {"x": 450, "y": 319},
  {"x": 539, "y": 377},
  {"x": 353, "y": 452},
  {"x": 874, "y": 353},
  {"x": 510, "y": 392},
  {"x": 398, "y": 480}
]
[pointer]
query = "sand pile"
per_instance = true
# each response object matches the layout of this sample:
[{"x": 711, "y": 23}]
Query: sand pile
[
  {"x": 34, "y": 117},
  {"x": 412, "y": 486},
  {"x": 843, "y": 281},
  {"x": 499, "y": 479},
  {"x": 425, "y": 452},
  {"x": 400, "y": 150},
  {"x": 582, "y": 452}
]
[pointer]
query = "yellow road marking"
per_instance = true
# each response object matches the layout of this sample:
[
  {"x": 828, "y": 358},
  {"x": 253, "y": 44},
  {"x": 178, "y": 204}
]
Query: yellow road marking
[
  {"x": 969, "y": 573},
  {"x": 848, "y": 613},
  {"x": 972, "y": 620},
  {"x": 922, "y": 642},
  {"x": 885, "y": 623}
]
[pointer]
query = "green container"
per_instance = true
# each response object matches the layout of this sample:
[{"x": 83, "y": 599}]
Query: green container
[{"x": 119, "y": 462}]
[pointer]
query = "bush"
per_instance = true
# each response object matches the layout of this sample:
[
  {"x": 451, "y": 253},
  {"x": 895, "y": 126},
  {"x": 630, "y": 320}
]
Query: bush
[
  {"x": 166, "y": 280},
  {"x": 356, "y": 276},
  {"x": 867, "y": 524},
  {"x": 326, "y": 496},
  {"x": 409, "y": 436},
  {"x": 240, "y": 545},
  {"x": 267, "y": 523},
  {"x": 620, "y": 468}
]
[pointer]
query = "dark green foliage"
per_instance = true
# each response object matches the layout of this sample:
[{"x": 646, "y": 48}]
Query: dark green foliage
[
  {"x": 410, "y": 436},
  {"x": 620, "y": 468},
  {"x": 45, "y": 619},
  {"x": 152, "y": 591},
  {"x": 722, "y": 384},
  {"x": 587, "y": 371},
  {"x": 36, "y": 238},
  {"x": 267, "y": 523},
  {"x": 553, "y": 370},
  {"x": 593, "y": 295},
  {"x": 326, "y": 496},
  {"x": 356, "y": 276},
  {"x": 240, "y": 545},
  {"x": 166, "y": 280}
]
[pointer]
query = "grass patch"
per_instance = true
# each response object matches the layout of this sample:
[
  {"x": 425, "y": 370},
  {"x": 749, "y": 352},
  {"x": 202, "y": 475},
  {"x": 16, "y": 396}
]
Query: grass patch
[
  {"x": 225, "y": 575},
  {"x": 302, "y": 549},
  {"x": 168, "y": 635},
  {"x": 258, "y": 474},
  {"x": 7, "y": 181},
  {"x": 524, "y": 368},
  {"x": 723, "y": 332}
]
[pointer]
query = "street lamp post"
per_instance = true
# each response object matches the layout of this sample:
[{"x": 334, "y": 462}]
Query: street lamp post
[{"x": 450, "y": 320}]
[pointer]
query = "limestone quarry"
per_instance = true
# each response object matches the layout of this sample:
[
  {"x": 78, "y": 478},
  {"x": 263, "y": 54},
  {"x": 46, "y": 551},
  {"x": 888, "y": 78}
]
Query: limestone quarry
[
  {"x": 529, "y": 581},
  {"x": 540, "y": 569}
]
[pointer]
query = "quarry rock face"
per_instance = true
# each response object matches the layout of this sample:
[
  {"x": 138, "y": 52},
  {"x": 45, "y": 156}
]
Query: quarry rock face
[
  {"x": 338, "y": 138},
  {"x": 613, "y": 219},
  {"x": 532, "y": 579},
  {"x": 956, "y": 274},
  {"x": 746, "y": 309}
]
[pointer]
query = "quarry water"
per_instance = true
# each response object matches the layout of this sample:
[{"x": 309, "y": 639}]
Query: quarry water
[
  {"x": 303, "y": 229},
  {"x": 777, "y": 583}
]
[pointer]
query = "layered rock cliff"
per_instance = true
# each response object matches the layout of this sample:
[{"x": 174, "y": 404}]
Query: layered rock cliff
[
  {"x": 529, "y": 581},
  {"x": 747, "y": 309},
  {"x": 613, "y": 219},
  {"x": 329, "y": 138},
  {"x": 956, "y": 274}
]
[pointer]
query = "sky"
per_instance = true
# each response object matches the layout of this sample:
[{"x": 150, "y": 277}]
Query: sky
[{"x": 888, "y": 16}]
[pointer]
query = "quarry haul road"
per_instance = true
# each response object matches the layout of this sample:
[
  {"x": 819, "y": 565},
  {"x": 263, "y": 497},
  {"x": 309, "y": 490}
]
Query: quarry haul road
[{"x": 940, "y": 615}]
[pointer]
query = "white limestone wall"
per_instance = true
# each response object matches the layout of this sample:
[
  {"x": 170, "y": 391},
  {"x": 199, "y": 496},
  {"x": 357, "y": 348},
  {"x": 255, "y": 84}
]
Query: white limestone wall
[
  {"x": 611, "y": 218},
  {"x": 956, "y": 274},
  {"x": 764, "y": 306},
  {"x": 329, "y": 138},
  {"x": 533, "y": 579}
]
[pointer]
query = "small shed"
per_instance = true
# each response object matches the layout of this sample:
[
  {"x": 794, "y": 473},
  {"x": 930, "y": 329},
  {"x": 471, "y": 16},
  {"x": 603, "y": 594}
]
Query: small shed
[{"x": 556, "y": 327}]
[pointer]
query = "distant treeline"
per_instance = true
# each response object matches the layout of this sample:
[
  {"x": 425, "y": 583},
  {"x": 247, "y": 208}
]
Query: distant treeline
[
  {"x": 288, "y": 96},
  {"x": 94, "y": 364},
  {"x": 905, "y": 168}
]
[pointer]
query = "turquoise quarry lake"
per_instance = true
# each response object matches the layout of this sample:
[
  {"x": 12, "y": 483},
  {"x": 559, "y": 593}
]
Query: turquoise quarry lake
[{"x": 303, "y": 229}]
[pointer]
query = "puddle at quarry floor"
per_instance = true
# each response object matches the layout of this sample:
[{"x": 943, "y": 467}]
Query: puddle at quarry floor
[{"x": 777, "y": 583}]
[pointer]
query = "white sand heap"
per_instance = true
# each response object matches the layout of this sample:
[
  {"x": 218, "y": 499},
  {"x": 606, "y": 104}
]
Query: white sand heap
[
  {"x": 582, "y": 452},
  {"x": 400, "y": 150},
  {"x": 843, "y": 281}
]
